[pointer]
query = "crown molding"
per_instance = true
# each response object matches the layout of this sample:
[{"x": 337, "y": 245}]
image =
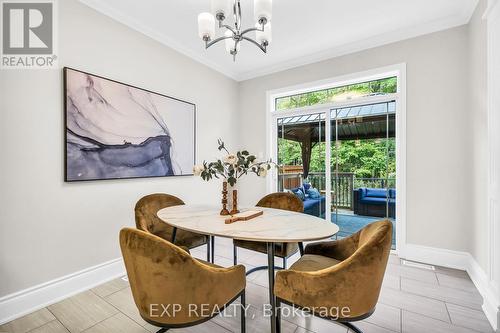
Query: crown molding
[
  {"x": 129, "y": 21},
  {"x": 369, "y": 43},
  {"x": 372, "y": 42}
]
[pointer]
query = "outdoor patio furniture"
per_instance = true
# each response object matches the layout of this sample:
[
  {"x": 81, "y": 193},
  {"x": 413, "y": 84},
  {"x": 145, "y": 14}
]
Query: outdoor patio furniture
[
  {"x": 374, "y": 202},
  {"x": 315, "y": 207}
]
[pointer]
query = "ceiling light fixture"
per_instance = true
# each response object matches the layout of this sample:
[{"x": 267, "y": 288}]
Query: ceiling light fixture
[{"x": 234, "y": 36}]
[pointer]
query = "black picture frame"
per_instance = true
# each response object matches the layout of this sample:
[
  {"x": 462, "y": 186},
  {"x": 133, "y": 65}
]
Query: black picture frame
[{"x": 65, "y": 119}]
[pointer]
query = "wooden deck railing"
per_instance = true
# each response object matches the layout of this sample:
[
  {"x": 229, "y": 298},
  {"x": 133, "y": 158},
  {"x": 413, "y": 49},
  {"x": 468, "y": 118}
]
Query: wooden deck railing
[{"x": 343, "y": 185}]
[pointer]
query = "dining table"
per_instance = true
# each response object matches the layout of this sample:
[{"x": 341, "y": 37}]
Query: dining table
[{"x": 273, "y": 226}]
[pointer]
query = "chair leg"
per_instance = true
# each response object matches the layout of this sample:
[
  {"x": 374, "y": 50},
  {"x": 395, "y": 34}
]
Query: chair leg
[
  {"x": 352, "y": 328},
  {"x": 208, "y": 248},
  {"x": 174, "y": 234},
  {"x": 278, "y": 315},
  {"x": 235, "y": 255},
  {"x": 212, "y": 250},
  {"x": 243, "y": 312},
  {"x": 284, "y": 262},
  {"x": 301, "y": 248},
  {"x": 162, "y": 330}
]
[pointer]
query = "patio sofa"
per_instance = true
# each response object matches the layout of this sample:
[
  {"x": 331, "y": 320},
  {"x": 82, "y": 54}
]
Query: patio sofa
[
  {"x": 373, "y": 201},
  {"x": 314, "y": 207}
]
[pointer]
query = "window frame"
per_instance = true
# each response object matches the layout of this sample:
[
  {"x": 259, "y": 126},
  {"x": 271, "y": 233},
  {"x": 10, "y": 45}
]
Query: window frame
[{"x": 398, "y": 71}]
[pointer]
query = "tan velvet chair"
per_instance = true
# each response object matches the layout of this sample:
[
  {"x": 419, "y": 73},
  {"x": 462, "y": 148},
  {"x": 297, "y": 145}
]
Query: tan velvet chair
[
  {"x": 163, "y": 277},
  {"x": 343, "y": 274},
  {"x": 279, "y": 200},
  {"x": 147, "y": 220}
]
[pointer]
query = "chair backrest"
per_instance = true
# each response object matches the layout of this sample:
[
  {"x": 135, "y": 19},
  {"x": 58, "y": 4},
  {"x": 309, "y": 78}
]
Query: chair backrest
[
  {"x": 162, "y": 275},
  {"x": 282, "y": 200},
  {"x": 366, "y": 266},
  {"x": 147, "y": 208}
]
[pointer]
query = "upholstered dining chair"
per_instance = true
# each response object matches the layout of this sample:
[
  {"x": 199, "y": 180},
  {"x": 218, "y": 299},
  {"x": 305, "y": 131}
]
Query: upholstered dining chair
[
  {"x": 279, "y": 200},
  {"x": 171, "y": 289},
  {"x": 340, "y": 279},
  {"x": 147, "y": 220}
]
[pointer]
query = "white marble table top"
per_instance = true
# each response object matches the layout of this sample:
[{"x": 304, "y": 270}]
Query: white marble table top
[{"x": 274, "y": 225}]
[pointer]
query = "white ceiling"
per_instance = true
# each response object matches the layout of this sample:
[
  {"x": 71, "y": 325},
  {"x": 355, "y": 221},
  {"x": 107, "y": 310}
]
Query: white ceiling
[{"x": 304, "y": 31}]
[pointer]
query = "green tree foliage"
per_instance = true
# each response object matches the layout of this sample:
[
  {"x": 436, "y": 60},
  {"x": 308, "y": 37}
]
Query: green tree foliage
[
  {"x": 364, "y": 158},
  {"x": 367, "y": 158},
  {"x": 383, "y": 86},
  {"x": 289, "y": 152}
]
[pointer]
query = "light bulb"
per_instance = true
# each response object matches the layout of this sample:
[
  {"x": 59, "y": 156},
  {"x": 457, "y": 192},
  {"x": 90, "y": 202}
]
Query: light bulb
[{"x": 206, "y": 25}]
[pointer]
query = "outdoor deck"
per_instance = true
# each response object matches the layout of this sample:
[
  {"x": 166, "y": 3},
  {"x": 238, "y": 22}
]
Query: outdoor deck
[
  {"x": 350, "y": 223},
  {"x": 343, "y": 188}
]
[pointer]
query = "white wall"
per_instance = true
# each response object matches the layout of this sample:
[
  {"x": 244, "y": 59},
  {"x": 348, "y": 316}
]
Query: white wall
[
  {"x": 48, "y": 228},
  {"x": 438, "y": 128}
]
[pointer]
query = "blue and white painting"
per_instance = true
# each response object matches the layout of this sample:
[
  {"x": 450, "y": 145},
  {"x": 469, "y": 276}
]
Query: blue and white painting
[{"x": 114, "y": 130}]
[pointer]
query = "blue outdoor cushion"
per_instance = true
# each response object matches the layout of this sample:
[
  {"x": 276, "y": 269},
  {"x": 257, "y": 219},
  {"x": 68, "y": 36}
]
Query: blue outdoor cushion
[
  {"x": 376, "y": 192},
  {"x": 313, "y": 203},
  {"x": 313, "y": 193},
  {"x": 298, "y": 192},
  {"x": 392, "y": 193},
  {"x": 374, "y": 201},
  {"x": 310, "y": 203}
]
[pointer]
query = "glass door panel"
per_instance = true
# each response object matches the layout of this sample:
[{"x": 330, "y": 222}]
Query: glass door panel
[
  {"x": 363, "y": 165},
  {"x": 301, "y": 154},
  {"x": 342, "y": 164}
]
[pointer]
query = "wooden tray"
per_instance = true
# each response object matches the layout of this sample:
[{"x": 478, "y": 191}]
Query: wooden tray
[{"x": 245, "y": 216}]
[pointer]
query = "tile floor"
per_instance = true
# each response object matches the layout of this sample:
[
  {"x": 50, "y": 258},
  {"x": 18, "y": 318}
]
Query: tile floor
[{"x": 412, "y": 300}]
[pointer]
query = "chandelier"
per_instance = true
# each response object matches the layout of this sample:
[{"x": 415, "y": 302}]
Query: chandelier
[{"x": 233, "y": 36}]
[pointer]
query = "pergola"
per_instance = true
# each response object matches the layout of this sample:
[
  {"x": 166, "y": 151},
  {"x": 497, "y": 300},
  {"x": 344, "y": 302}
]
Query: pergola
[{"x": 372, "y": 121}]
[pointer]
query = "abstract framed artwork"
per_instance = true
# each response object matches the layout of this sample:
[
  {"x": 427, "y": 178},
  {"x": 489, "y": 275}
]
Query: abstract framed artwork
[{"x": 118, "y": 131}]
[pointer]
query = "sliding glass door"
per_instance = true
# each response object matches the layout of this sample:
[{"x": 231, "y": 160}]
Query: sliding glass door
[
  {"x": 337, "y": 151},
  {"x": 363, "y": 165},
  {"x": 341, "y": 162}
]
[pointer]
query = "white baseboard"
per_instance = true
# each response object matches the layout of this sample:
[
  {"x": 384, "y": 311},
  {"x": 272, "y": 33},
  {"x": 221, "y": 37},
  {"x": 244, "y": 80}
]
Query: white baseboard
[
  {"x": 463, "y": 261},
  {"x": 26, "y": 301}
]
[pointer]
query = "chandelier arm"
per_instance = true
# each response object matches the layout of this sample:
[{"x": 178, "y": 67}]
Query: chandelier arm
[
  {"x": 252, "y": 29},
  {"x": 208, "y": 44},
  {"x": 227, "y": 27},
  {"x": 262, "y": 47}
]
